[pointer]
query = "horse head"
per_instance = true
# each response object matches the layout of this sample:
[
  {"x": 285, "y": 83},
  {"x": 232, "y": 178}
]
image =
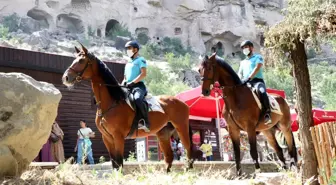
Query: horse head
[
  {"x": 82, "y": 68},
  {"x": 215, "y": 69},
  {"x": 208, "y": 73}
]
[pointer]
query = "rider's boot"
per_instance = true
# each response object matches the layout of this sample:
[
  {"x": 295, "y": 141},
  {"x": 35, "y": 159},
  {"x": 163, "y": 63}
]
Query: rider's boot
[
  {"x": 266, "y": 106},
  {"x": 144, "y": 123}
]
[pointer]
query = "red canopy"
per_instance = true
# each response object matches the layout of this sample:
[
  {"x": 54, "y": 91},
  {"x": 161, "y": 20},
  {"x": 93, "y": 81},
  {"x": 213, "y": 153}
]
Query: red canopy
[
  {"x": 200, "y": 105},
  {"x": 319, "y": 116},
  {"x": 206, "y": 106}
]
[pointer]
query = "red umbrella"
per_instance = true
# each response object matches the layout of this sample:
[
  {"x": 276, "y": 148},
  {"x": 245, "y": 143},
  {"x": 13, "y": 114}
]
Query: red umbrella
[
  {"x": 200, "y": 105},
  {"x": 319, "y": 116},
  {"x": 206, "y": 106}
]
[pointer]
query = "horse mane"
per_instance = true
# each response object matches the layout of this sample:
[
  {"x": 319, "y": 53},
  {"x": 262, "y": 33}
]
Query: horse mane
[
  {"x": 112, "y": 84},
  {"x": 229, "y": 69}
]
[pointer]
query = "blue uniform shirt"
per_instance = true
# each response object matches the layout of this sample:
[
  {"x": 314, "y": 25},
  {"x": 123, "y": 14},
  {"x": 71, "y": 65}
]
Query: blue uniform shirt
[
  {"x": 133, "y": 68},
  {"x": 251, "y": 63}
]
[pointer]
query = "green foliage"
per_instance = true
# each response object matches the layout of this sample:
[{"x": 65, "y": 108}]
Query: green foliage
[
  {"x": 311, "y": 53},
  {"x": 279, "y": 78},
  {"x": 131, "y": 157},
  {"x": 119, "y": 54},
  {"x": 220, "y": 52},
  {"x": 174, "y": 45},
  {"x": 168, "y": 45},
  {"x": 12, "y": 22},
  {"x": 179, "y": 63},
  {"x": 102, "y": 159},
  {"x": 147, "y": 52},
  {"x": 333, "y": 173},
  {"x": 143, "y": 38},
  {"x": 159, "y": 83},
  {"x": 91, "y": 31},
  {"x": 305, "y": 19},
  {"x": 118, "y": 30},
  {"x": 4, "y": 31},
  {"x": 323, "y": 79}
]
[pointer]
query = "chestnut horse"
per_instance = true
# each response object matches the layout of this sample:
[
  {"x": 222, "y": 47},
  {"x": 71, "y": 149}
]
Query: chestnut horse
[
  {"x": 114, "y": 116},
  {"x": 242, "y": 111}
]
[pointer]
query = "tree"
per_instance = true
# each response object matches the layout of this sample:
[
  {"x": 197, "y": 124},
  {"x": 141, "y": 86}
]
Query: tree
[{"x": 305, "y": 21}]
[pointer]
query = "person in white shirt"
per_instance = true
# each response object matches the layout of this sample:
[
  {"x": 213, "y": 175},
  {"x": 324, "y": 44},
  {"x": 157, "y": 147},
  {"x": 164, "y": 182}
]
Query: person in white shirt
[
  {"x": 84, "y": 143},
  {"x": 241, "y": 72}
]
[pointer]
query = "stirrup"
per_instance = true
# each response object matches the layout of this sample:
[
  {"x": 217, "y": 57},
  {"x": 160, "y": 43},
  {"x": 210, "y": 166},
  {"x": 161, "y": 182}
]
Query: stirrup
[
  {"x": 142, "y": 126},
  {"x": 269, "y": 118}
]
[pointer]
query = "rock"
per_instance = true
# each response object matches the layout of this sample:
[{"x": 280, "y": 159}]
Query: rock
[
  {"x": 28, "y": 109},
  {"x": 190, "y": 77},
  {"x": 120, "y": 42},
  {"x": 40, "y": 39}
]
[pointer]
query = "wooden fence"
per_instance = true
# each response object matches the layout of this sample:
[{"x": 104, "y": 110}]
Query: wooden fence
[{"x": 324, "y": 138}]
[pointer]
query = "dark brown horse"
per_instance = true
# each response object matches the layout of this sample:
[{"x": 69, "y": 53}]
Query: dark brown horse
[
  {"x": 243, "y": 113},
  {"x": 114, "y": 116}
]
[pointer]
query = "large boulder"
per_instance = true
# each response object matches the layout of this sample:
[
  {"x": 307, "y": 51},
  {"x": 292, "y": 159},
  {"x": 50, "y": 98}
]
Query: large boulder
[{"x": 28, "y": 109}]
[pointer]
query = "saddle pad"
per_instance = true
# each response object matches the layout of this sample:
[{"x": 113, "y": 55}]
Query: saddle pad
[
  {"x": 274, "y": 105},
  {"x": 153, "y": 103}
]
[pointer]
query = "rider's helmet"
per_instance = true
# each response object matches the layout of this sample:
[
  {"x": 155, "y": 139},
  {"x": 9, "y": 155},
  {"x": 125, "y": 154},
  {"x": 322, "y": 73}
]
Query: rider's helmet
[
  {"x": 246, "y": 43},
  {"x": 133, "y": 43}
]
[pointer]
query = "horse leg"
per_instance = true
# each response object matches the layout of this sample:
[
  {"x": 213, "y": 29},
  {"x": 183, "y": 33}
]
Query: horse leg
[
  {"x": 109, "y": 144},
  {"x": 252, "y": 137},
  {"x": 291, "y": 146},
  {"x": 234, "y": 133},
  {"x": 270, "y": 135},
  {"x": 117, "y": 153},
  {"x": 164, "y": 138}
]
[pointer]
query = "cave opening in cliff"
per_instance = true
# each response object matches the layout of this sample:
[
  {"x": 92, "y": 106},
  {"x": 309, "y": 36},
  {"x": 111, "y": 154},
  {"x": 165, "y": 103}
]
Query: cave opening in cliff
[
  {"x": 43, "y": 17},
  {"x": 220, "y": 49},
  {"x": 99, "y": 33},
  {"x": 70, "y": 22},
  {"x": 111, "y": 25}
]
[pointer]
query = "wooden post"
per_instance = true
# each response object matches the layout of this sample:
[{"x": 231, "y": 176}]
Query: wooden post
[
  {"x": 328, "y": 150},
  {"x": 313, "y": 131},
  {"x": 323, "y": 153}
]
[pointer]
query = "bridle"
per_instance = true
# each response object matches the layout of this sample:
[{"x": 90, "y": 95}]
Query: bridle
[
  {"x": 212, "y": 79},
  {"x": 80, "y": 73}
]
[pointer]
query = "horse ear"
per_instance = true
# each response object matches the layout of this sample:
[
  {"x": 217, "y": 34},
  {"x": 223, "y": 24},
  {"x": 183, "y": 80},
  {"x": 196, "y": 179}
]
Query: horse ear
[
  {"x": 77, "y": 50},
  {"x": 213, "y": 56},
  {"x": 83, "y": 48}
]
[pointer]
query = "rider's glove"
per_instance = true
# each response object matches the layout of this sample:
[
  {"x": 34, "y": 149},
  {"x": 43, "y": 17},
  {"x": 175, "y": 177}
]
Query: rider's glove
[
  {"x": 245, "y": 81},
  {"x": 130, "y": 84}
]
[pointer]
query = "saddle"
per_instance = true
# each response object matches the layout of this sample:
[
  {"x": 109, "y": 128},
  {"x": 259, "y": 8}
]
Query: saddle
[
  {"x": 151, "y": 105},
  {"x": 274, "y": 105}
]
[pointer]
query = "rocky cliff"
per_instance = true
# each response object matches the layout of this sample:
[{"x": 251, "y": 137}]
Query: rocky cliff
[{"x": 200, "y": 24}]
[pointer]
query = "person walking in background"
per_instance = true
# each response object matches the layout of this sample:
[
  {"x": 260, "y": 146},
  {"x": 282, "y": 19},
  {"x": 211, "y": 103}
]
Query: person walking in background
[
  {"x": 206, "y": 148},
  {"x": 57, "y": 150},
  {"x": 84, "y": 144}
]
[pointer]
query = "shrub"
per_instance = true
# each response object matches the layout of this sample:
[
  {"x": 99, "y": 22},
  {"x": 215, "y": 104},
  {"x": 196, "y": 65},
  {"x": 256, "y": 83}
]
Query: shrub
[
  {"x": 12, "y": 22},
  {"x": 4, "y": 31},
  {"x": 279, "y": 78},
  {"x": 158, "y": 82},
  {"x": 177, "y": 64},
  {"x": 118, "y": 30},
  {"x": 311, "y": 53},
  {"x": 147, "y": 52},
  {"x": 119, "y": 54},
  {"x": 143, "y": 38},
  {"x": 91, "y": 31}
]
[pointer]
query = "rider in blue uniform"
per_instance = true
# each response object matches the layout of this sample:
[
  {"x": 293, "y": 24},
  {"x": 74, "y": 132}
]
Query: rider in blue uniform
[
  {"x": 135, "y": 72},
  {"x": 252, "y": 71}
]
